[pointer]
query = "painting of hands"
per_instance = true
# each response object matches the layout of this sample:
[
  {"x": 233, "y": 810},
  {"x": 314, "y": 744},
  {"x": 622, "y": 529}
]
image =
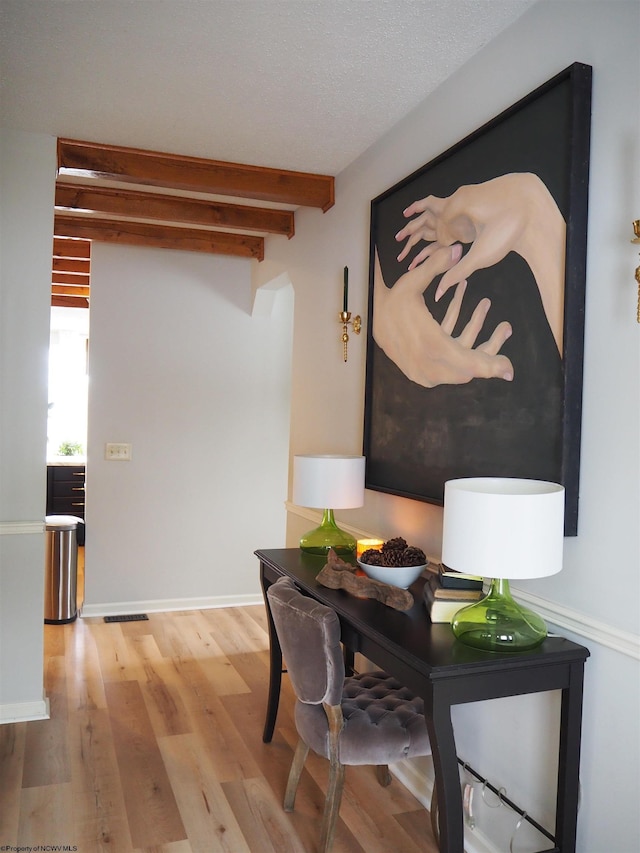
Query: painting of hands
[
  {"x": 477, "y": 273},
  {"x": 510, "y": 213}
]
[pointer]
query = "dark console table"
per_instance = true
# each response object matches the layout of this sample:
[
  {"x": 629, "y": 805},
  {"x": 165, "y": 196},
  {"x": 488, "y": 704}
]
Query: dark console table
[{"x": 429, "y": 660}]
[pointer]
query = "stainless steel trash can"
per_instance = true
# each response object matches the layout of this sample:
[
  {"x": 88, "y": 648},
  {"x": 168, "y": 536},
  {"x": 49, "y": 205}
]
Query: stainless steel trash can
[{"x": 61, "y": 569}]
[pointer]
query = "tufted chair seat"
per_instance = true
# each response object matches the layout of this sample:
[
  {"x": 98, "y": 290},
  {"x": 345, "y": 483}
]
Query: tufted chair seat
[
  {"x": 382, "y": 722},
  {"x": 363, "y": 719}
]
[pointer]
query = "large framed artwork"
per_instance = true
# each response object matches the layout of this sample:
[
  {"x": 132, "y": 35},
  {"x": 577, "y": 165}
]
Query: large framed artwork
[{"x": 476, "y": 305}]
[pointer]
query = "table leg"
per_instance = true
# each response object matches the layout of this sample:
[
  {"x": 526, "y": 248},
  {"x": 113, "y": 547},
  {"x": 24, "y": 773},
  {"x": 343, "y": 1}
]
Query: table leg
[
  {"x": 447, "y": 778},
  {"x": 275, "y": 667},
  {"x": 569, "y": 761}
]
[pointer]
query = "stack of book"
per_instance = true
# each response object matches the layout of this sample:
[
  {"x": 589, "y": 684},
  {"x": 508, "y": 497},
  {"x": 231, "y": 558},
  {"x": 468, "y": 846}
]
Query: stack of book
[{"x": 446, "y": 592}]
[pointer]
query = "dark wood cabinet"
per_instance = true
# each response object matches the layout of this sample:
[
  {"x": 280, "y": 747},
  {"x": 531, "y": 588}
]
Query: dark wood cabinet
[{"x": 66, "y": 492}]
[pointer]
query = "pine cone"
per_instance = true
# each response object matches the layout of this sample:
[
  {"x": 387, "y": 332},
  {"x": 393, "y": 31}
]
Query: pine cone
[
  {"x": 394, "y": 558},
  {"x": 414, "y": 556},
  {"x": 372, "y": 557},
  {"x": 397, "y": 544},
  {"x": 394, "y": 553}
]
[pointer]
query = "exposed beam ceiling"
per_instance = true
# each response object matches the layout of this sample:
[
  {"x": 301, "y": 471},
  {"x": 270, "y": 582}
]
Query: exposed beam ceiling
[
  {"x": 154, "y": 169},
  {"x": 70, "y": 272},
  {"x": 171, "y": 208},
  {"x": 103, "y": 193},
  {"x": 159, "y": 236}
]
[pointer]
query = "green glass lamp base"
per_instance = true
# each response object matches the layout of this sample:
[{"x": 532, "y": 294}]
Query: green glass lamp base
[
  {"x": 497, "y": 623},
  {"x": 327, "y": 536}
]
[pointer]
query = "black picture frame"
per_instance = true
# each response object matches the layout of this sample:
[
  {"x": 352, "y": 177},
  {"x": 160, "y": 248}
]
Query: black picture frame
[{"x": 418, "y": 437}]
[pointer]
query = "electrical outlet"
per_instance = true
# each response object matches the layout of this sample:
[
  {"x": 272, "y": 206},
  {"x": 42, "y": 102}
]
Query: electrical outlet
[{"x": 117, "y": 452}]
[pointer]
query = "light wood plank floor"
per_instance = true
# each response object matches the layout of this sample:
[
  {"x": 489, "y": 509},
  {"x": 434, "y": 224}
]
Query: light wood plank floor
[{"x": 154, "y": 744}]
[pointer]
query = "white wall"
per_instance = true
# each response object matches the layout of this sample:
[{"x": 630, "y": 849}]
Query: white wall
[
  {"x": 27, "y": 173},
  {"x": 598, "y": 594},
  {"x": 181, "y": 368}
]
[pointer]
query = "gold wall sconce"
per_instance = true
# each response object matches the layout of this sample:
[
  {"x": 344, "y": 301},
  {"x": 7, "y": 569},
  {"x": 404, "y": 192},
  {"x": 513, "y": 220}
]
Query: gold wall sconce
[
  {"x": 344, "y": 317},
  {"x": 636, "y": 231}
]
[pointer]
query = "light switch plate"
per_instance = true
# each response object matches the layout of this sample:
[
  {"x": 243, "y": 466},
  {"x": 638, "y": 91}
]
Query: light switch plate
[{"x": 117, "y": 452}]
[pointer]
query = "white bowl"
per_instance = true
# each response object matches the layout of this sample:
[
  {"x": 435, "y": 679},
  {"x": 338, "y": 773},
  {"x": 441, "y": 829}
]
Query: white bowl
[{"x": 401, "y": 576}]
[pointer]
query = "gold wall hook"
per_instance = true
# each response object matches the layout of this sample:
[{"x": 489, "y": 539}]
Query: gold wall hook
[{"x": 344, "y": 318}]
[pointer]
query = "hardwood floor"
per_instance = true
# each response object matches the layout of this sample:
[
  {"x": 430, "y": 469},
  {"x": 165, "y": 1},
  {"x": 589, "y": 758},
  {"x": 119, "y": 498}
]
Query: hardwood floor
[{"x": 154, "y": 744}]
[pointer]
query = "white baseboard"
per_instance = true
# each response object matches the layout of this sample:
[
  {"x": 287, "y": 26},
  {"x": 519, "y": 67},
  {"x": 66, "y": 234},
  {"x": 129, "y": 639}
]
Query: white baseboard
[
  {"x": 23, "y": 712},
  {"x": 125, "y": 608}
]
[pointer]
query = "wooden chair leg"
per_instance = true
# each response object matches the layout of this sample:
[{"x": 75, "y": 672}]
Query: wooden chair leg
[
  {"x": 332, "y": 806},
  {"x": 299, "y": 758},
  {"x": 336, "y": 777},
  {"x": 434, "y": 815},
  {"x": 382, "y": 772}
]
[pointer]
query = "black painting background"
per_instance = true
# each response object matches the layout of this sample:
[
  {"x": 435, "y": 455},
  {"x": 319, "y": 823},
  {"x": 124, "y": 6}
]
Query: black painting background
[{"x": 417, "y": 438}]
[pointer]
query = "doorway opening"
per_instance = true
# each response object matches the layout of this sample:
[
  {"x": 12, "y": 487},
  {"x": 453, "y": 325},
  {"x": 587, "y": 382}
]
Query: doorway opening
[
  {"x": 68, "y": 382},
  {"x": 68, "y": 385}
]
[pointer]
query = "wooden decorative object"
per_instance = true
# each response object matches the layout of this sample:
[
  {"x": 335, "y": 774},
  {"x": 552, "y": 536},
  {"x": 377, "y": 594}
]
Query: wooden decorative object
[{"x": 337, "y": 574}]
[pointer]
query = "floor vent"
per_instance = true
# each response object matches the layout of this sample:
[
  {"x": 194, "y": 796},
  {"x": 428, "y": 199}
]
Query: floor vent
[{"x": 127, "y": 617}]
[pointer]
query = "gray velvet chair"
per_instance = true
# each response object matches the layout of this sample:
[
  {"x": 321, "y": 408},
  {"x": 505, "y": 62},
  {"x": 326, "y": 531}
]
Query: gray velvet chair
[{"x": 363, "y": 719}]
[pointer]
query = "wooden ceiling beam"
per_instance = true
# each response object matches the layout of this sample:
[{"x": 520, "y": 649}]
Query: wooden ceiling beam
[
  {"x": 65, "y": 247},
  {"x": 75, "y": 279},
  {"x": 77, "y": 265},
  {"x": 70, "y": 290},
  {"x": 152, "y": 168},
  {"x": 169, "y": 208},
  {"x": 159, "y": 236},
  {"x": 69, "y": 302}
]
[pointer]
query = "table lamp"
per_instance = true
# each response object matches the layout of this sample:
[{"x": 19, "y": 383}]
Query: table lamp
[
  {"x": 502, "y": 528},
  {"x": 328, "y": 483}
]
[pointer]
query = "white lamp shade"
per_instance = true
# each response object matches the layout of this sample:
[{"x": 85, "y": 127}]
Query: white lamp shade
[
  {"x": 503, "y": 527},
  {"x": 328, "y": 482}
]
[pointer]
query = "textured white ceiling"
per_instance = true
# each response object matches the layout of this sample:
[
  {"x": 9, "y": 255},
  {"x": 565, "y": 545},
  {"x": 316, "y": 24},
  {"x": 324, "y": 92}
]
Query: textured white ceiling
[{"x": 296, "y": 84}]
